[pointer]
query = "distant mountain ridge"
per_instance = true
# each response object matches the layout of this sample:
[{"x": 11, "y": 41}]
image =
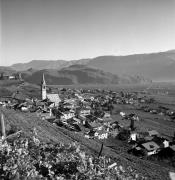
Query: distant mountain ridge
[
  {"x": 156, "y": 66},
  {"x": 78, "y": 74},
  {"x": 47, "y": 64}
]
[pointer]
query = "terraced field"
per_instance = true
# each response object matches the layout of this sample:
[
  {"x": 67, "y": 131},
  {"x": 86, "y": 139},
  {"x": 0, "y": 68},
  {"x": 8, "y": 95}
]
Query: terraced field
[{"x": 50, "y": 133}]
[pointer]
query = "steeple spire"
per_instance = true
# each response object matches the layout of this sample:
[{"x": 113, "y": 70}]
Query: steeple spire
[
  {"x": 43, "y": 80},
  {"x": 43, "y": 88}
]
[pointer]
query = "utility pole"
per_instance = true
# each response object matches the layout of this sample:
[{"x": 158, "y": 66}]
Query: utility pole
[
  {"x": 100, "y": 151},
  {"x": 3, "y": 126},
  {"x": 132, "y": 124}
]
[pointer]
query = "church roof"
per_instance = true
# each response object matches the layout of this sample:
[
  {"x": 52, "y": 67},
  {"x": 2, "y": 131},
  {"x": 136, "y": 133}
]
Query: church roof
[{"x": 54, "y": 98}]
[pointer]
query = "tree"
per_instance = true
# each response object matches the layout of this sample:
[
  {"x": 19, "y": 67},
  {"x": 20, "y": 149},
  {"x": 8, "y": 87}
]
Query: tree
[
  {"x": 132, "y": 124},
  {"x": 124, "y": 135},
  {"x": 110, "y": 107}
]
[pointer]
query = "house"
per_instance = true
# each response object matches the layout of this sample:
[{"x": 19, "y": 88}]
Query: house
[
  {"x": 82, "y": 118},
  {"x": 133, "y": 116},
  {"x": 123, "y": 114},
  {"x": 67, "y": 115},
  {"x": 142, "y": 100},
  {"x": 173, "y": 147},
  {"x": 107, "y": 115},
  {"x": 153, "y": 133},
  {"x": 151, "y": 147},
  {"x": 172, "y": 175},
  {"x": 11, "y": 77},
  {"x": 69, "y": 105},
  {"x": 5, "y": 99},
  {"x": 85, "y": 112},
  {"x": 166, "y": 143},
  {"x": 46, "y": 116},
  {"x": 133, "y": 137},
  {"x": 148, "y": 138},
  {"x": 95, "y": 125},
  {"x": 79, "y": 97},
  {"x": 169, "y": 112},
  {"x": 78, "y": 121},
  {"x": 162, "y": 142}
]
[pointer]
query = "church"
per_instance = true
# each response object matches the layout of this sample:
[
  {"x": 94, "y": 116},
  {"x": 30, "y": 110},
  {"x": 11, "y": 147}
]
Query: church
[{"x": 51, "y": 97}]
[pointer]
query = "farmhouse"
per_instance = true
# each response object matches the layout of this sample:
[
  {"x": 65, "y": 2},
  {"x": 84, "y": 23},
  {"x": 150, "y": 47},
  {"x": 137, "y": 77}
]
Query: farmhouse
[{"x": 150, "y": 147}]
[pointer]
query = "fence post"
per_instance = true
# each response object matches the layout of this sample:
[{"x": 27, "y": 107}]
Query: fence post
[
  {"x": 3, "y": 125},
  {"x": 100, "y": 151}
]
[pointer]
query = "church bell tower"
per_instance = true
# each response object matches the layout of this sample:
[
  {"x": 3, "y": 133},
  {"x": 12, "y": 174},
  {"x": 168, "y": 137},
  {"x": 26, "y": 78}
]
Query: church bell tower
[{"x": 43, "y": 89}]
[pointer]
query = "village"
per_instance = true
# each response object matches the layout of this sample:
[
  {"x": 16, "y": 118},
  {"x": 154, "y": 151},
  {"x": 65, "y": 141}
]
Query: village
[
  {"x": 92, "y": 113},
  {"x": 10, "y": 76}
]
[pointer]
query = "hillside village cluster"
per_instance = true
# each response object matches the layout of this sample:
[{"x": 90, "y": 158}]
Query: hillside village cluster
[
  {"x": 89, "y": 112},
  {"x": 10, "y": 76}
]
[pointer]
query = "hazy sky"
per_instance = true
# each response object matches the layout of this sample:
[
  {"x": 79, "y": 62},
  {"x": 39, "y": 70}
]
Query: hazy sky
[{"x": 74, "y": 29}]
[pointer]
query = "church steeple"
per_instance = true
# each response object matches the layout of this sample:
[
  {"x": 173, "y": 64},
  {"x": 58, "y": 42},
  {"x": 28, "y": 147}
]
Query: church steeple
[
  {"x": 43, "y": 80},
  {"x": 43, "y": 88}
]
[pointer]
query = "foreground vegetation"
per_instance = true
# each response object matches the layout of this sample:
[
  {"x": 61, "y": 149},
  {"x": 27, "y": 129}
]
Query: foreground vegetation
[{"x": 28, "y": 158}]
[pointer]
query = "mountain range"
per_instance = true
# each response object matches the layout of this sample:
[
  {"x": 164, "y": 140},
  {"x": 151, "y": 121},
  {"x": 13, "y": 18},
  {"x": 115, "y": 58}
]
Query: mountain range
[
  {"x": 103, "y": 69},
  {"x": 77, "y": 74}
]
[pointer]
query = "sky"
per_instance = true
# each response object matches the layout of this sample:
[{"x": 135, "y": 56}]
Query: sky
[{"x": 76, "y": 29}]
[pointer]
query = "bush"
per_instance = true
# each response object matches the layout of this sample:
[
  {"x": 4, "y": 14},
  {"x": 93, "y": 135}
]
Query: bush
[{"x": 28, "y": 158}]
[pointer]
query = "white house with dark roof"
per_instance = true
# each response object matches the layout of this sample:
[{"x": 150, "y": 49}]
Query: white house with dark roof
[{"x": 67, "y": 115}]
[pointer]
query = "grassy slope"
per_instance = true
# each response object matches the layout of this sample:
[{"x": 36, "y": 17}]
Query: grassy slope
[
  {"x": 48, "y": 132},
  {"x": 8, "y": 87}
]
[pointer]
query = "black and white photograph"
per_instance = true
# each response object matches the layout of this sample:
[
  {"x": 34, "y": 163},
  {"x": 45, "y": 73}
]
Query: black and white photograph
[{"x": 87, "y": 89}]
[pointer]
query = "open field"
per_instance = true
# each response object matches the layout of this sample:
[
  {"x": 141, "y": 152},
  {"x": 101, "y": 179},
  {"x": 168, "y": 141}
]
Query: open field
[
  {"x": 8, "y": 87},
  {"x": 148, "y": 121},
  {"x": 150, "y": 87}
]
